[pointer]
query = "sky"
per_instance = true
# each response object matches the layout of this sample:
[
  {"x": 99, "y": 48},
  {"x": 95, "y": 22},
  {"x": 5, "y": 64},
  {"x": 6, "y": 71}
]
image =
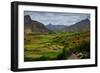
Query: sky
[{"x": 57, "y": 18}]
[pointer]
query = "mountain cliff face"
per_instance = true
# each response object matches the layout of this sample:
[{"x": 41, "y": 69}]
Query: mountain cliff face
[
  {"x": 33, "y": 26},
  {"x": 81, "y": 26},
  {"x": 27, "y": 24}
]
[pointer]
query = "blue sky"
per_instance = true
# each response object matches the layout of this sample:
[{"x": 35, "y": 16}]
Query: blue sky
[{"x": 57, "y": 18}]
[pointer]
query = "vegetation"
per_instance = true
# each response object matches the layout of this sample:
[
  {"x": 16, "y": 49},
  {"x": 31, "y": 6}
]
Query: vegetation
[{"x": 56, "y": 46}]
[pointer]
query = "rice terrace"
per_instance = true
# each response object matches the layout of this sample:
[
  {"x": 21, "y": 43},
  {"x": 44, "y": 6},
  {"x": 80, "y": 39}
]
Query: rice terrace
[{"x": 56, "y": 36}]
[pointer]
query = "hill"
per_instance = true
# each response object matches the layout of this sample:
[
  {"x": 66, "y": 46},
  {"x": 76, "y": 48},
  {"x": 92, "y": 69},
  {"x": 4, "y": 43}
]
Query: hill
[{"x": 81, "y": 26}]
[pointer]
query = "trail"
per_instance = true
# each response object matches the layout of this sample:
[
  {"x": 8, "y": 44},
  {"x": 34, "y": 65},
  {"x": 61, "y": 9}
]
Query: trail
[{"x": 73, "y": 56}]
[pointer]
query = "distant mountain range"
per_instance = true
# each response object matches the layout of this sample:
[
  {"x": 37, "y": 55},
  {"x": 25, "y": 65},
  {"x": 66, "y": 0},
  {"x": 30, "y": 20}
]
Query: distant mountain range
[
  {"x": 83, "y": 25},
  {"x": 55, "y": 27},
  {"x": 36, "y": 26}
]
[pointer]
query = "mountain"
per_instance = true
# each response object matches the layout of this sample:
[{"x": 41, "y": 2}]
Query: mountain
[
  {"x": 36, "y": 26},
  {"x": 55, "y": 27},
  {"x": 27, "y": 20},
  {"x": 33, "y": 26},
  {"x": 81, "y": 26}
]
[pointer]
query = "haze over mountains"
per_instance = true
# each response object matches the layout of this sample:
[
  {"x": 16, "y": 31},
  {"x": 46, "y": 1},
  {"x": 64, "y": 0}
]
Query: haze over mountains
[{"x": 36, "y": 26}]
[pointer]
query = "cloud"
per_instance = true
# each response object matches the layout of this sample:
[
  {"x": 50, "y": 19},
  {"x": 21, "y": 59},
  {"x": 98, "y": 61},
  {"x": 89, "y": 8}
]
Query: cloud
[{"x": 57, "y": 18}]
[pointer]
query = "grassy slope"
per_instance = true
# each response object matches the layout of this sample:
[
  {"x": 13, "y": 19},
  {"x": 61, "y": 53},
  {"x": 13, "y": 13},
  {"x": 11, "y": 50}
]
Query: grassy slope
[{"x": 55, "y": 46}]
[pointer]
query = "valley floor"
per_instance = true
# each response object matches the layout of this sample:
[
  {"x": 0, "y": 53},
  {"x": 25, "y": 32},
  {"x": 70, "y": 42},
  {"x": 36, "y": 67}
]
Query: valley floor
[{"x": 56, "y": 46}]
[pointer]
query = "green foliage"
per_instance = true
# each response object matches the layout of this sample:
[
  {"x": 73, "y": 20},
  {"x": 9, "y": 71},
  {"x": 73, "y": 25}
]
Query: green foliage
[{"x": 56, "y": 46}]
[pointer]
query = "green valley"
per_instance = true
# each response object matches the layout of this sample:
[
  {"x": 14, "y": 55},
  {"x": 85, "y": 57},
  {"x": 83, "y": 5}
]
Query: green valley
[{"x": 56, "y": 46}]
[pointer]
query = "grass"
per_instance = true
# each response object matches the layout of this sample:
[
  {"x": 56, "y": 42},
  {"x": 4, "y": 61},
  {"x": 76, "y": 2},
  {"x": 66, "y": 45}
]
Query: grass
[{"x": 56, "y": 46}]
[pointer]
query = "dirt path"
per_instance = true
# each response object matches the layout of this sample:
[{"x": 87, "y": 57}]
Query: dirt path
[{"x": 73, "y": 56}]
